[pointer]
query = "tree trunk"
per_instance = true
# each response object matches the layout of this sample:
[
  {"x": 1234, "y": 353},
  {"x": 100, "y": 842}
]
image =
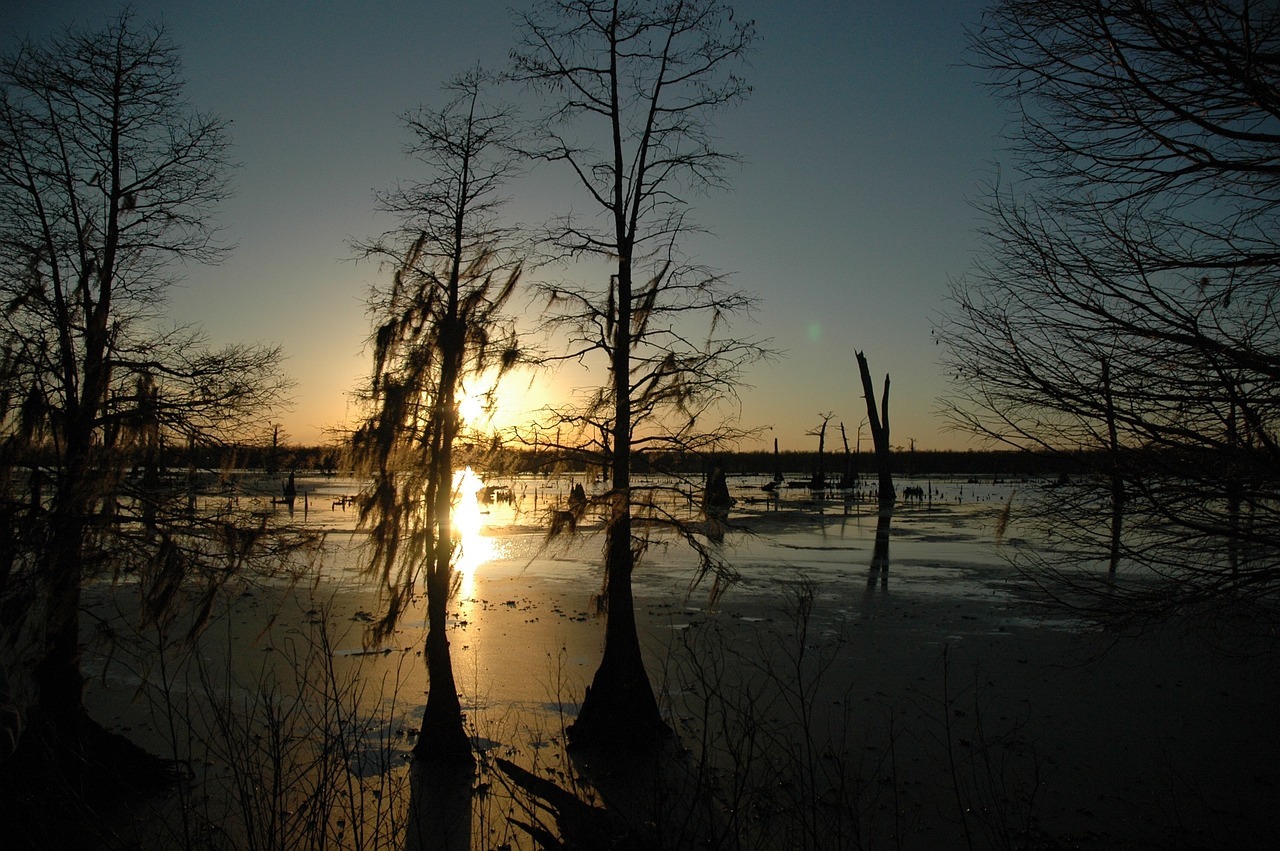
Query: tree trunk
[
  {"x": 57, "y": 676},
  {"x": 619, "y": 709},
  {"x": 443, "y": 737},
  {"x": 879, "y": 422},
  {"x": 820, "y": 476},
  {"x": 1117, "y": 480},
  {"x": 846, "y": 477}
]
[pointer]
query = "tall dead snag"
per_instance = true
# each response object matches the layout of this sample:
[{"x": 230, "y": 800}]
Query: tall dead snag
[
  {"x": 846, "y": 477},
  {"x": 879, "y": 421},
  {"x": 818, "y": 482}
]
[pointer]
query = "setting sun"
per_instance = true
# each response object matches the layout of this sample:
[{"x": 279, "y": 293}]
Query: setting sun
[
  {"x": 472, "y": 409},
  {"x": 486, "y": 404}
]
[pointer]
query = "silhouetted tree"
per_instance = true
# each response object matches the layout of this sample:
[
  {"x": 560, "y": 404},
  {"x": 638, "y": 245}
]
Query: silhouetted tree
[
  {"x": 630, "y": 88},
  {"x": 107, "y": 182},
  {"x": 1124, "y": 300},
  {"x": 438, "y": 324},
  {"x": 879, "y": 423},
  {"x": 276, "y": 449},
  {"x": 819, "y": 479}
]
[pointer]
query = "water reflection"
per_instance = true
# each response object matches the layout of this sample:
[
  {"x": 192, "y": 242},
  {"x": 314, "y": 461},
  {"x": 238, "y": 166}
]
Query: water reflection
[
  {"x": 880, "y": 553},
  {"x": 474, "y": 547},
  {"x": 439, "y": 816}
]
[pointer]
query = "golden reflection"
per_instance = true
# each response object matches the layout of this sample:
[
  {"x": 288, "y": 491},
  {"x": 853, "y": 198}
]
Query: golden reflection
[{"x": 474, "y": 547}]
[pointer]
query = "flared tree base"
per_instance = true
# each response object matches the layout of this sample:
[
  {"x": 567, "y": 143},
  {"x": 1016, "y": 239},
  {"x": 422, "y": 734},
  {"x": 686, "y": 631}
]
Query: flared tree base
[
  {"x": 618, "y": 718},
  {"x": 444, "y": 742}
]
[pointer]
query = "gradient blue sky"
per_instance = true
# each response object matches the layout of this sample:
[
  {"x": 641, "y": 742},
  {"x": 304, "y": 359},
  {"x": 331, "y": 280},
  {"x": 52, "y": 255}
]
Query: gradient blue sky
[{"x": 864, "y": 142}]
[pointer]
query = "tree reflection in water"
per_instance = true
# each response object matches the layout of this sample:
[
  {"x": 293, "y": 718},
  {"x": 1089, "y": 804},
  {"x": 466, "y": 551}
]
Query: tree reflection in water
[
  {"x": 440, "y": 814},
  {"x": 880, "y": 554},
  {"x": 439, "y": 808}
]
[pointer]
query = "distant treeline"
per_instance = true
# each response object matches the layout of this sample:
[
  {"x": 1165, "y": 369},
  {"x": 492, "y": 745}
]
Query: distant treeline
[
  {"x": 514, "y": 461},
  {"x": 909, "y": 463}
]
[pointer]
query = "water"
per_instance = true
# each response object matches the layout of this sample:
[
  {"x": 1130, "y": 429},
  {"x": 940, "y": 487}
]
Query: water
[{"x": 873, "y": 652}]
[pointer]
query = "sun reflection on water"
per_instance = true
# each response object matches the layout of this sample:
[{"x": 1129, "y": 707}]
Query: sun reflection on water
[{"x": 474, "y": 547}]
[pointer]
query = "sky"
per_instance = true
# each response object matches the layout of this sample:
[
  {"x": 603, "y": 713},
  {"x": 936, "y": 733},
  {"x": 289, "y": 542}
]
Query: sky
[{"x": 865, "y": 142}]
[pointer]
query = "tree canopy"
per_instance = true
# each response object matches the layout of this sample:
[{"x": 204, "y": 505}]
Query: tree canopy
[
  {"x": 108, "y": 183},
  {"x": 1124, "y": 297}
]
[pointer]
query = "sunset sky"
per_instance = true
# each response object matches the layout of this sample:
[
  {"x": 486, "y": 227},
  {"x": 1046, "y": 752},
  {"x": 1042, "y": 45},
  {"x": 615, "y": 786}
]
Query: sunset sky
[{"x": 864, "y": 143}]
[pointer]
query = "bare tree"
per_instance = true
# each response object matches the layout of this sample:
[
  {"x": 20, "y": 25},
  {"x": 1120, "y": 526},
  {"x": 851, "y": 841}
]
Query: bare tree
[
  {"x": 630, "y": 88},
  {"x": 879, "y": 422},
  {"x": 1123, "y": 309},
  {"x": 437, "y": 324},
  {"x": 106, "y": 177},
  {"x": 818, "y": 481},
  {"x": 103, "y": 183}
]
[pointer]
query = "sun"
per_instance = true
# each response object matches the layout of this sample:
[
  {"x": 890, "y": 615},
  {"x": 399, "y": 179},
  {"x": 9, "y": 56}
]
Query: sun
[
  {"x": 473, "y": 408},
  {"x": 487, "y": 403}
]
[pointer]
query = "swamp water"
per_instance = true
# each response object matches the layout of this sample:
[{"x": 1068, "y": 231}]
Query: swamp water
[{"x": 822, "y": 703}]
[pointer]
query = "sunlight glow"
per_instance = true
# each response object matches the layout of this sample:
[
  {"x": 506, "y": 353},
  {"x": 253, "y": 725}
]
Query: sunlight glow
[
  {"x": 486, "y": 403},
  {"x": 471, "y": 409}
]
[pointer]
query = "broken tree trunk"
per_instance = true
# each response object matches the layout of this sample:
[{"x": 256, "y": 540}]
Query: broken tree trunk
[
  {"x": 879, "y": 421},
  {"x": 846, "y": 478}
]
